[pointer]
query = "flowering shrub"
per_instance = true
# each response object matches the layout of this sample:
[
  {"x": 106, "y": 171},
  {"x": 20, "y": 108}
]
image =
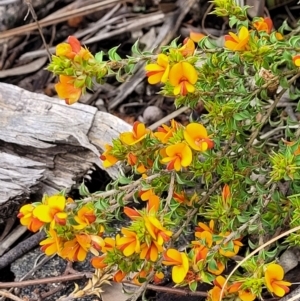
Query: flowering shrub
[{"x": 216, "y": 181}]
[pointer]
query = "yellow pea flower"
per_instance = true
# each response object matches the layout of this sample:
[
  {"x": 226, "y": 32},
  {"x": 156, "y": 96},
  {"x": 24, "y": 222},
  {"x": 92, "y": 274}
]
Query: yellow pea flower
[
  {"x": 129, "y": 243},
  {"x": 183, "y": 77},
  {"x": 53, "y": 244},
  {"x": 296, "y": 60},
  {"x": 66, "y": 90},
  {"x": 177, "y": 156},
  {"x": 263, "y": 24},
  {"x": 52, "y": 211},
  {"x": 273, "y": 279},
  {"x": 107, "y": 158},
  {"x": 158, "y": 72},
  {"x": 180, "y": 263},
  {"x": 28, "y": 219},
  {"x": 138, "y": 133},
  {"x": 195, "y": 135},
  {"x": 237, "y": 42}
]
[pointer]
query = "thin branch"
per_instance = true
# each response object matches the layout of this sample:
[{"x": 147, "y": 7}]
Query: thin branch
[
  {"x": 63, "y": 278},
  {"x": 34, "y": 16}
]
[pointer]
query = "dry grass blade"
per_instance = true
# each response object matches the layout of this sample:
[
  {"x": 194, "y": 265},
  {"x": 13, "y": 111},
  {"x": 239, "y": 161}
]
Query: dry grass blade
[
  {"x": 256, "y": 251},
  {"x": 58, "y": 18}
]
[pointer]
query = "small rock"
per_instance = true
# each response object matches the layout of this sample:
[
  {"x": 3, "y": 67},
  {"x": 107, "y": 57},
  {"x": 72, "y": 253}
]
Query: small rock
[
  {"x": 140, "y": 88},
  {"x": 288, "y": 260},
  {"x": 100, "y": 105},
  {"x": 152, "y": 114}
]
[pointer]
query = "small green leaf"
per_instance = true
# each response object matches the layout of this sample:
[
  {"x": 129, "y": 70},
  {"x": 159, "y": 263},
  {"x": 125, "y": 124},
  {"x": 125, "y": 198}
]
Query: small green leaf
[
  {"x": 99, "y": 56},
  {"x": 112, "y": 54},
  {"x": 135, "y": 48},
  {"x": 83, "y": 190}
]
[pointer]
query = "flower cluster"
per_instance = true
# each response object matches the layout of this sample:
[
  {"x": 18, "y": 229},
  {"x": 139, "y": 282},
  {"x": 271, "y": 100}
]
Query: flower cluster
[
  {"x": 71, "y": 234},
  {"x": 212, "y": 182},
  {"x": 270, "y": 276},
  {"x": 173, "y": 146},
  {"x": 176, "y": 67}
]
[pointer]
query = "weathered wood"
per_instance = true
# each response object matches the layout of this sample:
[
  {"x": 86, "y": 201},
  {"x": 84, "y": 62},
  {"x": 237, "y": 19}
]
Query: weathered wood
[{"x": 46, "y": 145}]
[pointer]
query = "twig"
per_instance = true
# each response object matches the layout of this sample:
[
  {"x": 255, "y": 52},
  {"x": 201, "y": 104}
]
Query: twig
[
  {"x": 170, "y": 194},
  {"x": 21, "y": 249},
  {"x": 168, "y": 118},
  {"x": 63, "y": 278},
  {"x": 256, "y": 251},
  {"x": 123, "y": 188},
  {"x": 170, "y": 290},
  {"x": 9, "y": 295},
  {"x": 34, "y": 16},
  {"x": 269, "y": 112}
]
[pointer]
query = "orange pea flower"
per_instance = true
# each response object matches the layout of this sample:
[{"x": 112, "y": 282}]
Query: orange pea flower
[
  {"x": 132, "y": 159},
  {"x": 129, "y": 243},
  {"x": 156, "y": 230},
  {"x": 109, "y": 244},
  {"x": 28, "y": 219},
  {"x": 206, "y": 237},
  {"x": 52, "y": 211},
  {"x": 296, "y": 60},
  {"x": 200, "y": 251},
  {"x": 244, "y": 295},
  {"x": 72, "y": 48},
  {"x": 98, "y": 262},
  {"x": 203, "y": 227},
  {"x": 151, "y": 251},
  {"x": 273, "y": 279},
  {"x": 237, "y": 42},
  {"x": 107, "y": 158},
  {"x": 158, "y": 72},
  {"x": 225, "y": 194},
  {"x": 85, "y": 217},
  {"x": 263, "y": 24},
  {"x": 195, "y": 135},
  {"x": 151, "y": 197},
  {"x": 224, "y": 247},
  {"x": 219, "y": 268},
  {"x": 138, "y": 133},
  {"x": 188, "y": 47},
  {"x": 179, "y": 197},
  {"x": 183, "y": 77},
  {"x": 53, "y": 244},
  {"x": 158, "y": 277},
  {"x": 177, "y": 156},
  {"x": 180, "y": 263},
  {"x": 196, "y": 36},
  {"x": 119, "y": 276},
  {"x": 66, "y": 90},
  {"x": 77, "y": 248},
  {"x": 132, "y": 213},
  {"x": 139, "y": 276},
  {"x": 164, "y": 133},
  {"x": 215, "y": 293}
]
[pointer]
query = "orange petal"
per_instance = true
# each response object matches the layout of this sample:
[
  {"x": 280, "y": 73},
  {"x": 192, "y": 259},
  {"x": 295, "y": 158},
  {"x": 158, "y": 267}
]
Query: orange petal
[{"x": 74, "y": 43}]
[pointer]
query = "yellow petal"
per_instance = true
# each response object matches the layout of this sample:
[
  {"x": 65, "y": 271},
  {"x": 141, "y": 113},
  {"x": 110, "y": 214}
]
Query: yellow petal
[
  {"x": 174, "y": 256},
  {"x": 154, "y": 67},
  {"x": 275, "y": 271},
  {"x": 162, "y": 60},
  {"x": 243, "y": 33},
  {"x": 176, "y": 74},
  {"x": 43, "y": 213},
  {"x": 165, "y": 75},
  {"x": 187, "y": 156},
  {"x": 189, "y": 72},
  {"x": 178, "y": 274},
  {"x": 57, "y": 202}
]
